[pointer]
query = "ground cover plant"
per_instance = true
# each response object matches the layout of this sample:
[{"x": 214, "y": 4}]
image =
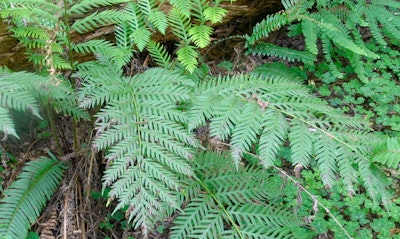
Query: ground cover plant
[{"x": 303, "y": 145}]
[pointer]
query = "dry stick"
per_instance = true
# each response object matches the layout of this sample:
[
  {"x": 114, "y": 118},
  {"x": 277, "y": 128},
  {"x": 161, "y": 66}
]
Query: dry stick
[{"x": 298, "y": 184}]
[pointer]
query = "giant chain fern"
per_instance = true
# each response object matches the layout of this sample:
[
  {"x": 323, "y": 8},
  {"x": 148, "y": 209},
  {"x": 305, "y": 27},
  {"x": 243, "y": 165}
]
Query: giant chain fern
[
  {"x": 23, "y": 200},
  {"x": 144, "y": 134},
  {"x": 261, "y": 114}
]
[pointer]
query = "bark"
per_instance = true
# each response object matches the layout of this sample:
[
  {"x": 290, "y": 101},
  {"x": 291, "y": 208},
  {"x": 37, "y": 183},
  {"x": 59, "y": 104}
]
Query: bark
[{"x": 242, "y": 15}]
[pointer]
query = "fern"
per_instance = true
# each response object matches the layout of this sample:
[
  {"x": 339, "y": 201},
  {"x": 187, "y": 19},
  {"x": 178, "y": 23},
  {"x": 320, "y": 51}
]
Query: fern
[
  {"x": 282, "y": 52},
  {"x": 84, "y": 6},
  {"x": 200, "y": 35},
  {"x": 143, "y": 132},
  {"x": 214, "y": 14},
  {"x": 159, "y": 54},
  {"x": 187, "y": 55},
  {"x": 283, "y": 110},
  {"x": 227, "y": 203},
  {"x": 387, "y": 153},
  {"x": 24, "y": 198},
  {"x": 97, "y": 19}
]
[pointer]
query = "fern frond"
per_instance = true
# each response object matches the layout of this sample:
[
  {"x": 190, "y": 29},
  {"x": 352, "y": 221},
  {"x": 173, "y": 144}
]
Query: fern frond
[
  {"x": 246, "y": 129},
  {"x": 214, "y": 14},
  {"x": 159, "y": 54},
  {"x": 210, "y": 226},
  {"x": 98, "y": 19},
  {"x": 274, "y": 133},
  {"x": 260, "y": 221},
  {"x": 226, "y": 117},
  {"x": 180, "y": 24},
  {"x": 119, "y": 55},
  {"x": 310, "y": 31},
  {"x": 226, "y": 203},
  {"x": 266, "y": 26},
  {"x": 33, "y": 32},
  {"x": 280, "y": 70},
  {"x": 187, "y": 55},
  {"x": 142, "y": 130},
  {"x": 300, "y": 137},
  {"x": 7, "y": 124},
  {"x": 24, "y": 198},
  {"x": 159, "y": 20},
  {"x": 187, "y": 221},
  {"x": 266, "y": 49},
  {"x": 200, "y": 35},
  {"x": 388, "y": 152},
  {"x": 84, "y": 6},
  {"x": 326, "y": 154},
  {"x": 122, "y": 33},
  {"x": 184, "y": 6},
  {"x": 141, "y": 37}
]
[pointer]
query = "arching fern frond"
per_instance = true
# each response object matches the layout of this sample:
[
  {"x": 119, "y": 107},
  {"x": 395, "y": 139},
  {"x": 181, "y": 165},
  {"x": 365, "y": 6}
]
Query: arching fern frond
[
  {"x": 97, "y": 19},
  {"x": 159, "y": 54},
  {"x": 266, "y": 49},
  {"x": 147, "y": 144},
  {"x": 229, "y": 202},
  {"x": 84, "y": 6},
  {"x": 283, "y": 112},
  {"x": 23, "y": 200}
]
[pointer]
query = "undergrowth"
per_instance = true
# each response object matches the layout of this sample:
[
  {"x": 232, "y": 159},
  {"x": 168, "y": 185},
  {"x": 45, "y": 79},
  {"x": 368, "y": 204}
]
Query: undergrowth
[{"x": 267, "y": 120}]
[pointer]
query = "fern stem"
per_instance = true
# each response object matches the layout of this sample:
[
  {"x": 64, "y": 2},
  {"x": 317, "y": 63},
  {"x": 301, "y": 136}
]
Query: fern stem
[
  {"x": 235, "y": 226},
  {"x": 53, "y": 128}
]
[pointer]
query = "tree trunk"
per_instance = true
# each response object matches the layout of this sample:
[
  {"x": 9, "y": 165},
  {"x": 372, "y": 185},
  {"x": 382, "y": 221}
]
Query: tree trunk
[{"x": 242, "y": 15}]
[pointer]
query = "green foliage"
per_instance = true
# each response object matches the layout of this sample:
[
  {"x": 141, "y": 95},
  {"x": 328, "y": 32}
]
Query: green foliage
[
  {"x": 388, "y": 153},
  {"x": 273, "y": 110},
  {"x": 224, "y": 201},
  {"x": 335, "y": 31},
  {"x": 144, "y": 123},
  {"x": 23, "y": 200},
  {"x": 143, "y": 132}
]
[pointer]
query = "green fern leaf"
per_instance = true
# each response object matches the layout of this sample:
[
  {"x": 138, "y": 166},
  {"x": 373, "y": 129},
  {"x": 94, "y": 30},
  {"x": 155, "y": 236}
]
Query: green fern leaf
[
  {"x": 266, "y": 49},
  {"x": 310, "y": 34},
  {"x": 24, "y": 198},
  {"x": 226, "y": 117},
  {"x": 187, "y": 221},
  {"x": 184, "y": 6},
  {"x": 266, "y": 26},
  {"x": 122, "y": 33},
  {"x": 200, "y": 35},
  {"x": 274, "y": 133},
  {"x": 84, "y": 6},
  {"x": 159, "y": 19},
  {"x": 187, "y": 55},
  {"x": 388, "y": 153},
  {"x": 141, "y": 37},
  {"x": 142, "y": 129},
  {"x": 226, "y": 205},
  {"x": 98, "y": 19},
  {"x": 246, "y": 130},
  {"x": 214, "y": 14},
  {"x": 7, "y": 124},
  {"x": 159, "y": 54},
  {"x": 300, "y": 138},
  {"x": 210, "y": 226},
  {"x": 180, "y": 24}
]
